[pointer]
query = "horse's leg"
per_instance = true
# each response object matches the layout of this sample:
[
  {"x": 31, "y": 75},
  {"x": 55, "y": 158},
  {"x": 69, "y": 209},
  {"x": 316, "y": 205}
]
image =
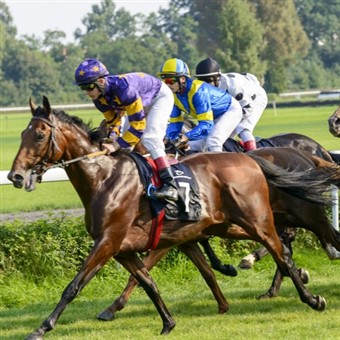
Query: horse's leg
[
  {"x": 226, "y": 269},
  {"x": 195, "y": 254},
  {"x": 263, "y": 231},
  {"x": 248, "y": 261},
  {"x": 149, "y": 261},
  {"x": 285, "y": 263},
  {"x": 287, "y": 237},
  {"x": 136, "y": 267},
  {"x": 101, "y": 252}
]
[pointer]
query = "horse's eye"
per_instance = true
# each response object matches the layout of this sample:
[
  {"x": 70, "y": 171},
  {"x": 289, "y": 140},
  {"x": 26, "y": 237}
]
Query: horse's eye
[{"x": 40, "y": 136}]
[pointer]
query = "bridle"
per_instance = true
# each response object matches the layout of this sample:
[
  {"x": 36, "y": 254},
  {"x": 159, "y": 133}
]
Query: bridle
[{"x": 39, "y": 169}]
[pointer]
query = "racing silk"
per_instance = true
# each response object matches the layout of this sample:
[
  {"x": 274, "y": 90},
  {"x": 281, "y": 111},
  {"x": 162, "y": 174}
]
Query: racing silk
[
  {"x": 244, "y": 87},
  {"x": 203, "y": 102},
  {"x": 128, "y": 94}
]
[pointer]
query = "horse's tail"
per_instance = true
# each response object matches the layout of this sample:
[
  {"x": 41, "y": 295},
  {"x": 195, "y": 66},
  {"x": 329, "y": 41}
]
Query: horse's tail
[{"x": 312, "y": 185}]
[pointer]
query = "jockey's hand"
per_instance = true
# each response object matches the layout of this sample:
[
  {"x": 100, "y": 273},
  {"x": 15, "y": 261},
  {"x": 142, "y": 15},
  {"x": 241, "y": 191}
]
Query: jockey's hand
[
  {"x": 181, "y": 142},
  {"x": 111, "y": 147}
]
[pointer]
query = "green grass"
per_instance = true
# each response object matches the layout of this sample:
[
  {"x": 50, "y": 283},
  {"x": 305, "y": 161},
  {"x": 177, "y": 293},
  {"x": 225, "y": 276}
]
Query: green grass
[
  {"x": 311, "y": 121},
  {"x": 190, "y": 302}
]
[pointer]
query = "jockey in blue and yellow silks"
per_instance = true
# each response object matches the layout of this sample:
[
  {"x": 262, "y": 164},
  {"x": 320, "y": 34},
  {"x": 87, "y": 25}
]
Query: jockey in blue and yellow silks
[
  {"x": 217, "y": 113},
  {"x": 147, "y": 104}
]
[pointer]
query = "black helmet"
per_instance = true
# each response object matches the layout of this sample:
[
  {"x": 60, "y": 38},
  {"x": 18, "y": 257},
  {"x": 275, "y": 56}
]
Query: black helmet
[{"x": 207, "y": 68}]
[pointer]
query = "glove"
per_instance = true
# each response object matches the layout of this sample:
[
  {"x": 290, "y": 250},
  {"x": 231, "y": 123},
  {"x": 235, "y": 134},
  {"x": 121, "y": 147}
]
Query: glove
[
  {"x": 111, "y": 147},
  {"x": 180, "y": 142}
]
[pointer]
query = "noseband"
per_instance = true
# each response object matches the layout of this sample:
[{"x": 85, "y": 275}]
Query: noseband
[{"x": 39, "y": 169}]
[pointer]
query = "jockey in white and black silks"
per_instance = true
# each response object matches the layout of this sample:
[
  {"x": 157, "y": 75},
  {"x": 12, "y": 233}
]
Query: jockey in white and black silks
[
  {"x": 147, "y": 103},
  {"x": 244, "y": 87},
  {"x": 217, "y": 112}
]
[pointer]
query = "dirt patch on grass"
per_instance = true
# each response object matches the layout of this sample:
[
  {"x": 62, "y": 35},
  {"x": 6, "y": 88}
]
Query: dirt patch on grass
[{"x": 38, "y": 215}]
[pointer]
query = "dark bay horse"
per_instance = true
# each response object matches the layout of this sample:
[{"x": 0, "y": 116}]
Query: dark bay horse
[
  {"x": 334, "y": 123},
  {"x": 234, "y": 195}
]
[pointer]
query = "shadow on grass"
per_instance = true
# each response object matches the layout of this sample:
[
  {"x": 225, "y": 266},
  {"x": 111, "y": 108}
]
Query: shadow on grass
[{"x": 140, "y": 314}]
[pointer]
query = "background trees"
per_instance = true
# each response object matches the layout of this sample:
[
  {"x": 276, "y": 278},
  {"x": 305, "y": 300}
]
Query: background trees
[{"x": 290, "y": 45}]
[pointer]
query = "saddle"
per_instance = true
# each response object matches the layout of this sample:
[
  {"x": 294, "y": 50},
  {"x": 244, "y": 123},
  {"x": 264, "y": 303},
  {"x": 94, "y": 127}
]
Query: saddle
[
  {"x": 188, "y": 207},
  {"x": 233, "y": 145}
]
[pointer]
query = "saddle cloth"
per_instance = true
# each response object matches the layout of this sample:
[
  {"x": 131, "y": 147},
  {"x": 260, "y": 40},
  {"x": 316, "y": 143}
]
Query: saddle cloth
[{"x": 188, "y": 206}]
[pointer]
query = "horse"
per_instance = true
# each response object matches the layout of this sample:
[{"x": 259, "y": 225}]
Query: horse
[
  {"x": 287, "y": 209},
  {"x": 235, "y": 194},
  {"x": 297, "y": 141},
  {"x": 334, "y": 123}
]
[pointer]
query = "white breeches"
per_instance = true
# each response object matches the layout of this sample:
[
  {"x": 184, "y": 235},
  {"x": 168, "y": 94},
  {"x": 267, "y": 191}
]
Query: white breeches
[
  {"x": 246, "y": 127},
  {"x": 157, "y": 116},
  {"x": 223, "y": 128}
]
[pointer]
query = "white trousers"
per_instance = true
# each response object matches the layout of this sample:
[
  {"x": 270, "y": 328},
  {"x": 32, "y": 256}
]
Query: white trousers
[
  {"x": 224, "y": 126},
  {"x": 157, "y": 116},
  {"x": 247, "y": 125}
]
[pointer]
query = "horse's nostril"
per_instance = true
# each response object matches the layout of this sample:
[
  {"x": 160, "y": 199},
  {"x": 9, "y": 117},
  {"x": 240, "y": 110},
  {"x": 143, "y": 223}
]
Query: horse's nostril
[{"x": 17, "y": 179}]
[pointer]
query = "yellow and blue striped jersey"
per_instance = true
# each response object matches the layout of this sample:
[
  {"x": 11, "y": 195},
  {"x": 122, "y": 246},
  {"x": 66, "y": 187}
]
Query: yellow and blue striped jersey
[{"x": 203, "y": 102}]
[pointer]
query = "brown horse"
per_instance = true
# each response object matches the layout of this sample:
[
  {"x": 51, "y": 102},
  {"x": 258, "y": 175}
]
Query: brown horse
[
  {"x": 334, "y": 123},
  {"x": 288, "y": 211},
  {"x": 235, "y": 194}
]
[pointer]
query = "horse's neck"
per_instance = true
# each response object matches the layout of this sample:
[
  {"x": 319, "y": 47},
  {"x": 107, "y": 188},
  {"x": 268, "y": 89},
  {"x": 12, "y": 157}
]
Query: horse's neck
[{"x": 85, "y": 174}]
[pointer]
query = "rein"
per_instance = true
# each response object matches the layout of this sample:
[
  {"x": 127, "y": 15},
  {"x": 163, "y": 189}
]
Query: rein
[
  {"x": 64, "y": 164},
  {"x": 40, "y": 169}
]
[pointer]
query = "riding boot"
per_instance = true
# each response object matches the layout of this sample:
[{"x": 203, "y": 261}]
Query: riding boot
[
  {"x": 250, "y": 145},
  {"x": 168, "y": 190}
]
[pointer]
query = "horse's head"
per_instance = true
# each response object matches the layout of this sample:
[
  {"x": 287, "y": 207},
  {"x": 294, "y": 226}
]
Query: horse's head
[
  {"x": 41, "y": 144},
  {"x": 334, "y": 123}
]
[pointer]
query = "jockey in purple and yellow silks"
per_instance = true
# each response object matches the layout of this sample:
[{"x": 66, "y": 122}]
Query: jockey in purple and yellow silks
[
  {"x": 147, "y": 103},
  {"x": 217, "y": 113}
]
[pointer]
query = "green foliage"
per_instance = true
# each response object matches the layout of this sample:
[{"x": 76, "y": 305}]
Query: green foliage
[
  {"x": 286, "y": 40},
  {"x": 241, "y": 42},
  {"x": 267, "y": 38},
  {"x": 53, "y": 247}
]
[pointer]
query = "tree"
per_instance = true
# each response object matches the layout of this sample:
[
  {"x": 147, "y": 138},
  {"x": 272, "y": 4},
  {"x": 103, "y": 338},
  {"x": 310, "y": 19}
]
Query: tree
[
  {"x": 228, "y": 31},
  {"x": 322, "y": 25},
  {"x": 105, "y": 20},
  {"x": 286, "y": 40}
]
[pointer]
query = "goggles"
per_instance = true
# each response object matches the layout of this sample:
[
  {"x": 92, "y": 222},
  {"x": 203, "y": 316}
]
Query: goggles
[
  {"x": 169, "y": 80},
  {"x": 211, "y": 79},
  {"x": 88, "y": 87}
]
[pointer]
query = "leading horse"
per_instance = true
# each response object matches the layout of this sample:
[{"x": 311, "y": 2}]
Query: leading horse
[{"x": 235, "y": 194}]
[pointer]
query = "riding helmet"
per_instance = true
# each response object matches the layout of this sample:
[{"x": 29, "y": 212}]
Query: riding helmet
[
  {"x": 207, "y": 67},
  {"x": 89, "y": 71},
  {"x": 174, "y": 67}
]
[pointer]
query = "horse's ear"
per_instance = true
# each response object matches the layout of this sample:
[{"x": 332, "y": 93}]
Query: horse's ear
[
  {"x": 32, "y": 106},
  {"x": 46, "y": 105}
]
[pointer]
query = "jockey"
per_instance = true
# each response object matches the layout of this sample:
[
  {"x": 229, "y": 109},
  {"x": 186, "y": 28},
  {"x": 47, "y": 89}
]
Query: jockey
[
  {"x": 147, "y": 103},
  {"x": 244, "y": 87},
  {"x": 217, "y": 112}
]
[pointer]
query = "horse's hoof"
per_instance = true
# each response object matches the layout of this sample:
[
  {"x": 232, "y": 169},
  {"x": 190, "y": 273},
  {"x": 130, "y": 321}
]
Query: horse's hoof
[
  {"x": 168, "y": 328},
  {"x": 245, "y": 264},
  {"x": 228, "y": 270},
  {"x": 321, "y": 303},
  {"x": 223, "y": 309},
  {"x": 106, "y": 315},
  {"x": 304, "y": 275},
  {"x": 265, "y": 296},
  {"x": 35, "y": 336}
]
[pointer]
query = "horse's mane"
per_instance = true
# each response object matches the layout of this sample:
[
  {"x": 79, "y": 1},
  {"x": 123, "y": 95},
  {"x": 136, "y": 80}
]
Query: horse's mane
[{"x": 96, "y": 135}]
